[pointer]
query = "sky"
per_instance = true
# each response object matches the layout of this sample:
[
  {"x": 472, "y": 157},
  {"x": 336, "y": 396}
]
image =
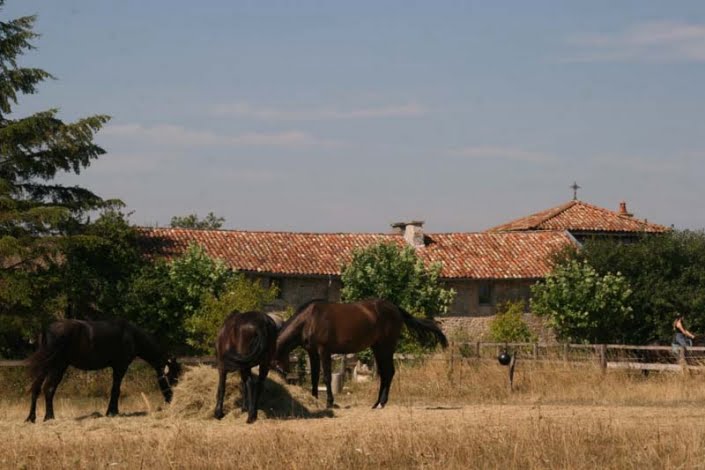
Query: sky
[{"x": 338, "y": 116}]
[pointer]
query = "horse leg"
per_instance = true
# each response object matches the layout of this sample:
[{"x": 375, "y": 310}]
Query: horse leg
[
  {"x": 50, "y": 385},
  {"x": 315, "y": 361},
  {"x": 326, "y": 362},
  {"x": 245, "y": 375},
  {"x": 261, "y": 378},
  {"x": 36, "y": 389},
  {"x": 118, "y": 374},
  {"x": 385, "y": 368},
  {"x": 220, "y": 395},
  {"x": 251, "y": 399}
]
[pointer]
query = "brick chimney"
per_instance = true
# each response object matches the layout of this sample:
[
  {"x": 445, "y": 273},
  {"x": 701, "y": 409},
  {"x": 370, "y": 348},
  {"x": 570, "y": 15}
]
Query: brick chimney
[
  {"x": 412, "y": 231},
  {"x": 623, "y": 210}
]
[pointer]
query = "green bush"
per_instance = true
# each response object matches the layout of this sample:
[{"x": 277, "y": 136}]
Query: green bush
[
  {"x": 582, "y": 305},
  {"x": 508, "y": 326},
  {"x": 165, "y": 294},
  {"x": 239, "y": 295}
]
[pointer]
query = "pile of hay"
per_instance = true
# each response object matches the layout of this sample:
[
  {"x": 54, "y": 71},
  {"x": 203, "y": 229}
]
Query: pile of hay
[{"x": 194, "y": 397}]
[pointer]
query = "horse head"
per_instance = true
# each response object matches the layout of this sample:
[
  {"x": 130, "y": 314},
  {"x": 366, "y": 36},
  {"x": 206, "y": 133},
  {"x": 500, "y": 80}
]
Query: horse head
[
  {"x": 281, "y": 364},
  {"x": 169, "y": 378}
]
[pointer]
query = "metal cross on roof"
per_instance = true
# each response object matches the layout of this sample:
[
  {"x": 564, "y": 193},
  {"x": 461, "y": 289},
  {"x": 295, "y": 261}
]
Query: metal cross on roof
[{"x": 575, "y": 188}]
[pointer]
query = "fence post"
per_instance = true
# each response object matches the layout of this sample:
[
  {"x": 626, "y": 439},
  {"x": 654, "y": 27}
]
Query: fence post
[
  {"x": 450, "y": 367},
  {"x": 682, "y": 360},
  {"x": 603, "y": 357},
  {"x": 477, "y": 349},
  {"x": 566, "y": 348},
  {"x": 536, "y": 350},
  {"x": 512, "y": 363}
]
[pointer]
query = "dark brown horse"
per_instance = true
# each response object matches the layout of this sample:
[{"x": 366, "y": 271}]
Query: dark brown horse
[
  {"x": 93, "y": 345},
  {"x": 324, "y": 328},
  {"x": 245, "y": 340}
]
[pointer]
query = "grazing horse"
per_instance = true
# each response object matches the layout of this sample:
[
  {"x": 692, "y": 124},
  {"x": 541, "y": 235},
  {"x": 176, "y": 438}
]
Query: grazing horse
[
  {"x": 93, "y": 345},
  {"x": 324, "y": 328},
  {"x": 245, "y": 340}
]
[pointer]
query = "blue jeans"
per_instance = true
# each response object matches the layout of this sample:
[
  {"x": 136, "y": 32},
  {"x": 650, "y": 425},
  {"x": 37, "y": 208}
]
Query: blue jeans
[{"x": 682, "y": 341}]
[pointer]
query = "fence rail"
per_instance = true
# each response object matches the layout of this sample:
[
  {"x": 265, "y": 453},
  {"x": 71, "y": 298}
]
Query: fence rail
[{"x": 612, "y": 356}]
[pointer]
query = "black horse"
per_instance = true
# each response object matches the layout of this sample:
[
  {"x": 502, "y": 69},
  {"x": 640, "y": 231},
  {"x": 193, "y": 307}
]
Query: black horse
[
  {"x": 93, "y": 345},
  {"x": 245, "y": 340},
  {"x": 325, "y": 328}
]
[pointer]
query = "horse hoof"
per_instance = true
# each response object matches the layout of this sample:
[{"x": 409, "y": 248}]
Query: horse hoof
[
  {"x": 218, "y": 415},
  {"x": 30, "y": 419},
  {"x": 251, "y": 420},
  {"x": 48, "y": 418}
]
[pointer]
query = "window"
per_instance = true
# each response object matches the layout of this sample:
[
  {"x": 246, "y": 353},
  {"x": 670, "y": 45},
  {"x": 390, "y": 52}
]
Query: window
[{"x": 484, "y": 293}]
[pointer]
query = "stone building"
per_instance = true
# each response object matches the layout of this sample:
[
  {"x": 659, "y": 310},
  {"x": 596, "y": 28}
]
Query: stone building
[{"x": 483, "y": 268}]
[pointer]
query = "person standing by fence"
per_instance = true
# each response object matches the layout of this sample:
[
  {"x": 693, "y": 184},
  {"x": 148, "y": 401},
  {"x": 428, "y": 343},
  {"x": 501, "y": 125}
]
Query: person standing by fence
[{"x": 682, "y": 337}]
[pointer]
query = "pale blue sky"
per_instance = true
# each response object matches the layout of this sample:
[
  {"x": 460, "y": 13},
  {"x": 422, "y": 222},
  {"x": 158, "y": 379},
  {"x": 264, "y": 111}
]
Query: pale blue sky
[{"x": 347, "y": 116}]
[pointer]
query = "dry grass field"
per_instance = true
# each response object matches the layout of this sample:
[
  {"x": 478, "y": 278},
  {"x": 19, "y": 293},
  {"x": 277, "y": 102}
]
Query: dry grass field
[{"x": 557, "y": 417}]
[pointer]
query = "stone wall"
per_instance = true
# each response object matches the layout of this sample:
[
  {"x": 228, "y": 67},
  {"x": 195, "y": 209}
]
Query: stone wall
[
  {"x": 467, "y": 295},
  {"x": 294, "y": 291},
  {"x": 472, "y": 329}
]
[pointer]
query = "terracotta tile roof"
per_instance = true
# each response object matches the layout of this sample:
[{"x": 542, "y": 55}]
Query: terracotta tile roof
[
  {"x": 579, "y": 216},
  {"x": 463, "y": 255},
  {"x": 508, "y": 255}
]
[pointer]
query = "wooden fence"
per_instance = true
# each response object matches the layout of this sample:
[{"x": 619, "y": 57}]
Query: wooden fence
[{"x": 608, "y": 356}]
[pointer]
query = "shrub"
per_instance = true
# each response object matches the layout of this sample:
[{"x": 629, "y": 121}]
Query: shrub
[
  {"x": 582, "y": 305},
  {"x": 239, "y": 295},
  {"x": 508, "y": 326}
]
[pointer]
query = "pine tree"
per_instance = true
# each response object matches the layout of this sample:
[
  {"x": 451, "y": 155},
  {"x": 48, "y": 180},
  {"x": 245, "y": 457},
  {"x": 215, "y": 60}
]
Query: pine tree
[{"x": 37, "y": 215}]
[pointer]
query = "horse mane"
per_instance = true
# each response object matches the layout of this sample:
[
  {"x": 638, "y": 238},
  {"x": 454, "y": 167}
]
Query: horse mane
[
  {"x": 301, "y": 308},
  {"x": 287, "y": 332},
  {"x": 148, "y": 347}
]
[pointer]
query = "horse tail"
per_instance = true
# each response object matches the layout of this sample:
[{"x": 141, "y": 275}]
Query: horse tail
[
  {"x": 425, "y": 330},
  {"x": 47, "y": 354},
  {"x": 258, "y": 348}
]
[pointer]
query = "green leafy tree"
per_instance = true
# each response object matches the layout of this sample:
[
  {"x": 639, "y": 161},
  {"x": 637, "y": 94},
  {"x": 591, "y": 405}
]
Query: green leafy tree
[
  {"x": 398, "y": 275},
  {"x": 36, "y": 213},
  {"x": 508, "y": 326},
  {"x": 164, "y": 295},
  {"x": 239, "y": 295},
  {"x": 582, "y": 305},
  {"x": 98, "y": 267},
  {"x": 666, "y": 274},
  {"x": 210, "y": 222}
]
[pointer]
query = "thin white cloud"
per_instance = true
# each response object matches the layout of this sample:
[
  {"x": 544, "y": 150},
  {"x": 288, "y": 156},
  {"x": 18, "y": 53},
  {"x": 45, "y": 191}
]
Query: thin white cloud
[
  {"x": 171, "y": 135},
  {"x": 656, "y": 41},
  {"x": 245, "y": 110},
  {"x": 504, "y": 153}
]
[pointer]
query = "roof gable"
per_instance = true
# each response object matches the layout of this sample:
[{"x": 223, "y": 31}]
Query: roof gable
[{"x": 579, "y": 216}]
